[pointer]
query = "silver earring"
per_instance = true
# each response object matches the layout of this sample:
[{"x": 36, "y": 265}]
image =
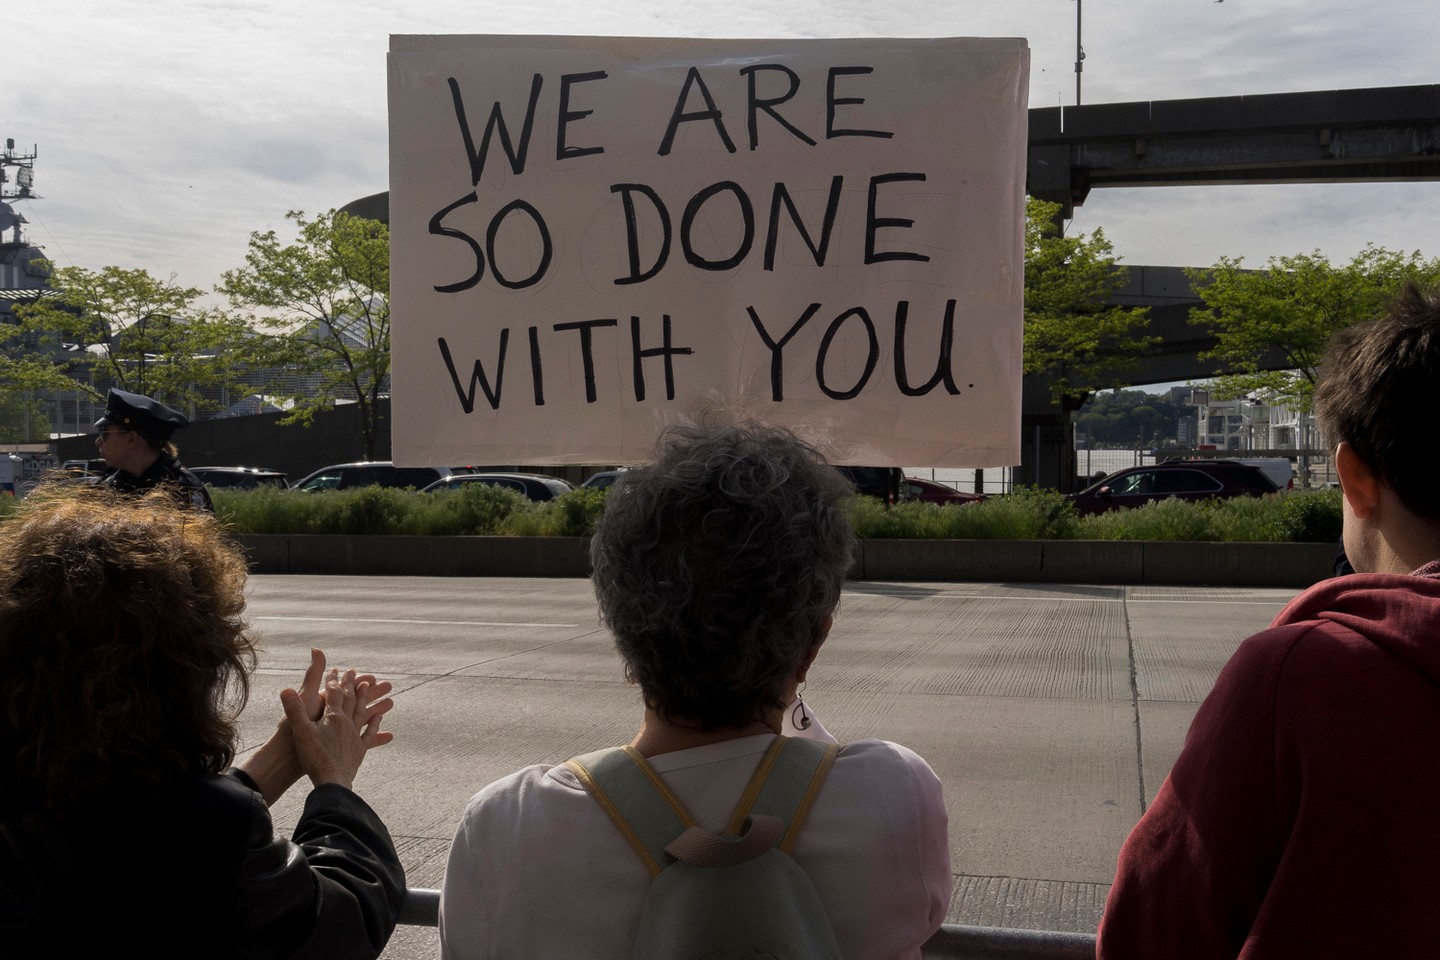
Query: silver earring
[{"x": 800, "y": 716}]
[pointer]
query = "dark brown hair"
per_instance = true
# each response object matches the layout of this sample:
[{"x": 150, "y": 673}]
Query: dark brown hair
[
  {"x": 1377, "y": 393},
  {"x": 123, "y": 658},
  {"x": 155, "y": 443}
]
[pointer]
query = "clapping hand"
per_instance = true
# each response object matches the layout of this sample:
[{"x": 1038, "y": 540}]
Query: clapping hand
[
  {"x": 322, "y": 714},
  {"x": 311, "y": 687},
  {"x": 334, "y": 727}
]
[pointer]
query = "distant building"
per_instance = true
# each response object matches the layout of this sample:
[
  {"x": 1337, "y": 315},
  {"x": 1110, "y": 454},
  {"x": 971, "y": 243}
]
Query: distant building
[
  {"x": 1225, "y": 424},
  {"x": 256, "y": 403},
  {"x": 1248, "y": 423}
]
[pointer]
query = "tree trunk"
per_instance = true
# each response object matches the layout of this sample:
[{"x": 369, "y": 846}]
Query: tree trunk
[{"x": 367, "y": 424}]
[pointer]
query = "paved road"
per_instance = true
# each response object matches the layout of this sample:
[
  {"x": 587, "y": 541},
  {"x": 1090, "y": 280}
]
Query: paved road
[{"x": 1051, "y": 713}]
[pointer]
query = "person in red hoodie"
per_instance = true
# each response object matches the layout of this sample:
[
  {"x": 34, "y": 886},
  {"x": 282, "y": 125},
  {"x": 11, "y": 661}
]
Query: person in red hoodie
[{"x": 1302, "y": 818}]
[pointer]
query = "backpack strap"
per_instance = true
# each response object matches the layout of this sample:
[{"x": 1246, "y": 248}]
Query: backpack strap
[
  {"x": 649, "y": 816},
  {"x": 785, "y": 785},
  {"x": 634, "y": 796}
]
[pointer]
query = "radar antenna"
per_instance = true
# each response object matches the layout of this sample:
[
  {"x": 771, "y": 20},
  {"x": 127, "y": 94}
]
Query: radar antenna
[{"x": 17, "y": 182}]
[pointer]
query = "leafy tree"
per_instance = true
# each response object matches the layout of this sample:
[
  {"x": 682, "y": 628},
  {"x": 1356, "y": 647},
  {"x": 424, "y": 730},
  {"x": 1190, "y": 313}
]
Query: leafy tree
[
  {"x": 23, "y": 375},
  {"x": 131, "y": 329},
  {"x": 1073, "y": 338},
  {"x": 325, "y": 302},
  {"x": 1293, "y": 305},
  {"x": 23, "y": 418},
  {"x": 20, "y": 367}
]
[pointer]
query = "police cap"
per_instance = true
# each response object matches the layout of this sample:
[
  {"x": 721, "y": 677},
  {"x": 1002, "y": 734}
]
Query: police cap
[{"x": 150, "y": 418}]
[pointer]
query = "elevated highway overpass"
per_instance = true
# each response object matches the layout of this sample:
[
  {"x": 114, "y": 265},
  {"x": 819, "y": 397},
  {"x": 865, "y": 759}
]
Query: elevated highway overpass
[{"x": 1374, "y": 134}]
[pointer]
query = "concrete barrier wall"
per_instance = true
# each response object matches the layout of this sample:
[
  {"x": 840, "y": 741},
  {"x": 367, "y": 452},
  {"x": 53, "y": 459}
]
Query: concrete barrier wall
[
  {"x": 419, "y": 556},
  {"x": 1034, "y": 561}
]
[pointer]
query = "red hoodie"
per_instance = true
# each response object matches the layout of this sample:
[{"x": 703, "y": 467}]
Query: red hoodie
[{"x": 1302, "y": 819}]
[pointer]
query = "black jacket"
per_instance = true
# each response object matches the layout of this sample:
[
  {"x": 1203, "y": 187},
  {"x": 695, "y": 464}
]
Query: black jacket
[
  {"x": 188, "y": 489},
  {"x": 199, "y": 872}
]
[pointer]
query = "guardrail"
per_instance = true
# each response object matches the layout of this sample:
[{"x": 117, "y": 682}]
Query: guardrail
[{"x": 952, "y": 942}]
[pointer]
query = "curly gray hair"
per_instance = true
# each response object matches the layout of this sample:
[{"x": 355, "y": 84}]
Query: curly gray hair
[{"x": 717, "y": 565}]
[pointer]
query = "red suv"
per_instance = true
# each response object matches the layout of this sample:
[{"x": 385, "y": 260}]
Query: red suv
[{"x": 1184, "y": 479}]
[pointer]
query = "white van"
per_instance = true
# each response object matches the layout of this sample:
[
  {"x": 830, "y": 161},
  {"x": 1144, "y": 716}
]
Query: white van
[{"x": 1280, "y": 471}]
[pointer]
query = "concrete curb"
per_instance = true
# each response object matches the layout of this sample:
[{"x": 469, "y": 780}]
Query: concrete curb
[{"x": 1022, "y": 561}]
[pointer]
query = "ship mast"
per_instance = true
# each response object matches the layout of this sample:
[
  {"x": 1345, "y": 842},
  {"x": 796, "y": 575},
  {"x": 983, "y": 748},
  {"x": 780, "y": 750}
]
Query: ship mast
[{"x": 17, "y": 182}]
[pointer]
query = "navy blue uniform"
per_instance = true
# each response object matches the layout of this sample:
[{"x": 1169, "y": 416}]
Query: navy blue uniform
[{"x": 169, "y": 471}]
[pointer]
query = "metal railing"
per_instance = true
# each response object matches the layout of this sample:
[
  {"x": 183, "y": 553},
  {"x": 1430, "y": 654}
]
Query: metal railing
[{"x": 953, "y": 941}]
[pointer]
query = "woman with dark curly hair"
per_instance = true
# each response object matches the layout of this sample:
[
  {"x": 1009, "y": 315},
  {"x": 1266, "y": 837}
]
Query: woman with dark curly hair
[
  {"x": 717, "y": 568},
  {"x": 123, "y": 664}
]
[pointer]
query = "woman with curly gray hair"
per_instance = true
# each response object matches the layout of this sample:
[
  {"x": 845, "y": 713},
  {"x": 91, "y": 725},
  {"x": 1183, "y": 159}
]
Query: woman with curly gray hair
[{"x": 717, "y": 568}]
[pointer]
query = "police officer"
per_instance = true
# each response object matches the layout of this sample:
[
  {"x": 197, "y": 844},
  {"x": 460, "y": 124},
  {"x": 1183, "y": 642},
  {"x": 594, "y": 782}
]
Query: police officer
[{"x": 133, "y": 437}]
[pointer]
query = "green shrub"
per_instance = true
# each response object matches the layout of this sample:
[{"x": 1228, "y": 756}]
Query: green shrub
[
  {"x": 1301, "y": 517},
  {"x": 581, "y": 510},
  {"x": 572, "y": 514},
  {"x": 473, "y": 509},
  {"x": 873, "y": 520},
  {"x": 1311, "y": 516},
  {"x": 369, "y": 511},
  {"x": 1026, "y": 514},
  {"x": 271, "y": 510},
  {"x": 1162, "y": 520},
  {"x": 1247, "y": 519}
]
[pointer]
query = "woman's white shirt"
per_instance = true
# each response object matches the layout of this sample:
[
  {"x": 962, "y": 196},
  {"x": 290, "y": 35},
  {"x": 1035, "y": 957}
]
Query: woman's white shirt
[{"x": 538, "y": 870}]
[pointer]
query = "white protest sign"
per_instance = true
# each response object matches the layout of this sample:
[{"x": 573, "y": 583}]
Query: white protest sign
[{"x": 591, "y": 236}]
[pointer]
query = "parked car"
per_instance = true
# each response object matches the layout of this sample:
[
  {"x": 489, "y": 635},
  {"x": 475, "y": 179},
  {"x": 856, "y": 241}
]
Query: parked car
[
  {"x": 1183, "y": 479},
  {"x": 928, "y": 491},
  {"x": 241, "y": 478},
  {"x": 83, "y": 468},
  {"x": 602, "y": 480},
  {"x": 383, "y": 473},
  {"x": 535, "y": 486},
  {"x": 885, "y": 483}
]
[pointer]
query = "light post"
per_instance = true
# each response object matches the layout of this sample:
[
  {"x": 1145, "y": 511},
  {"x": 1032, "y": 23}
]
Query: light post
[{"x": 1079, "y": 51}]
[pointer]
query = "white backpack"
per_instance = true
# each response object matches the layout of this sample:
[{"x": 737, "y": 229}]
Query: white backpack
[{"x": 732, "y": 896}]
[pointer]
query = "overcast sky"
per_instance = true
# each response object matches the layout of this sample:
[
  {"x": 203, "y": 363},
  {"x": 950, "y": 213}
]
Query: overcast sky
[{"x": 170, "y": 129}]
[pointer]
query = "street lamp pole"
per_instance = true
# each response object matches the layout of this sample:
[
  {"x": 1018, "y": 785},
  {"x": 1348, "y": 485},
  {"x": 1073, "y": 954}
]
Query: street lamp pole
[{"x": 1079, "y": 51}]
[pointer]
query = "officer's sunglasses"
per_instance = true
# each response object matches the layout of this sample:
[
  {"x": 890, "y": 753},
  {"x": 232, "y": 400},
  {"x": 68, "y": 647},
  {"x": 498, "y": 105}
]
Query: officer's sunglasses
[{"x": 104, "y": 435}]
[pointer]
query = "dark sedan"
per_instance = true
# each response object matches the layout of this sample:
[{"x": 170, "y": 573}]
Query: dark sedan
[
  {"x": 1182, "y": 479},
  {"x": 242, "y": 478}
]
